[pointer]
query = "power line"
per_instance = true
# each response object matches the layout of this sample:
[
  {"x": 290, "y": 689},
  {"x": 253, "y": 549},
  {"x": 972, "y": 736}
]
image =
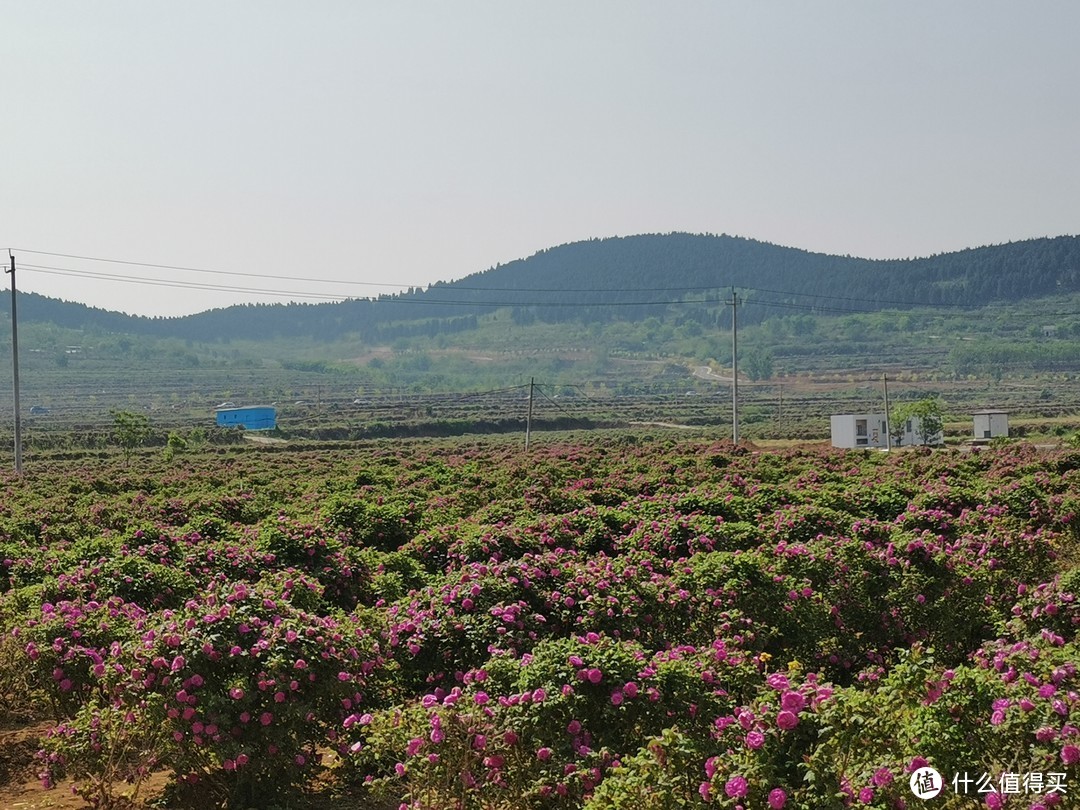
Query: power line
[
  {"x": 187, "y": 285},
  {"x": 583, "y": 392},
  {"x": 474, "y": 394},
  {"x": 456, "y": 286},
  {"x": 481, "y": 288},
  {"x": 50, "y": 270},
  {"x": 450, "y": 287},
  {"x": 212, "y": 272},
  {"x": 178, "y": 284},
  {"x": 60, "y": 271},
  {"x": 540, "y": 388},
  {"x": 860, "y": 300},
  {"x": 807, "y": 307}
]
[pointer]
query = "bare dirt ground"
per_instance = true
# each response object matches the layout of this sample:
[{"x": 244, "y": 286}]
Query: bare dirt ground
[
  {"x": 20, "y": 787},
  {"x": 264, "y": 439}
]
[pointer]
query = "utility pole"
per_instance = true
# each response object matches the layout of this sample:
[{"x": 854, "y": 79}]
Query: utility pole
[
  {"x": 15, "y": 369},
  {"x": 734, "y": 368},
  {"x": 888, "y": 426},
  {"x": 780, "y": 412},
  {"x": 528, "y": 417}
]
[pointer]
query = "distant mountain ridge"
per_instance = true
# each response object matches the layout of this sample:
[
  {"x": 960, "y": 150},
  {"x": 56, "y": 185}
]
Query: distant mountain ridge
[{"x": 603, "y": 280}]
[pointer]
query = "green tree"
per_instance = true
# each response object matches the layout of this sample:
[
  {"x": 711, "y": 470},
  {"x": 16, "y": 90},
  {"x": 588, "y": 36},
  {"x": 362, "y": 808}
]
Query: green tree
[
  {"x": 758, "y": 364},
  {"x": 197, "y": 438},
  {"x": 927, "y": 418},
  {"x": 130, "y": 429},
  {"x": 175, "y": 444},
  {"x": 897, "y": 423}
]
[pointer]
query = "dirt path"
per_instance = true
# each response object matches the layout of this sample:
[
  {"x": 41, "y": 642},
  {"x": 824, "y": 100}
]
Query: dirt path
[
  {"x": 263, "y": 439},
  {"x": 665, "y": 425},
  {"x": 706, "y": 373}
]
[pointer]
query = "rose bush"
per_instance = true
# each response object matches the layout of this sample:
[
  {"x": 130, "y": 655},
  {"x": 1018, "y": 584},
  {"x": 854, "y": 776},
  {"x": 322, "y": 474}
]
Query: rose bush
[{"x": 607, "y": 623}]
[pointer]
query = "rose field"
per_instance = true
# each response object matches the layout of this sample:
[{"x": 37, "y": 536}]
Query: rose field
[{"x": 610, "y": 622}]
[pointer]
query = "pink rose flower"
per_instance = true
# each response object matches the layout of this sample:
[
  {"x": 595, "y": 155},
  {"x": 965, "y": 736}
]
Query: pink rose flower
[
  {"x": 786, "y": 720},
  {"x": 793, "y": 702},
  {"x": 736, "y": 787}
]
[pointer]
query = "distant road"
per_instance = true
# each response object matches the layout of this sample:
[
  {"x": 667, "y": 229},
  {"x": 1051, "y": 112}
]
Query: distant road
[
  {"x": 666, "y": 425},
  {"x": 706, "y": 373}
]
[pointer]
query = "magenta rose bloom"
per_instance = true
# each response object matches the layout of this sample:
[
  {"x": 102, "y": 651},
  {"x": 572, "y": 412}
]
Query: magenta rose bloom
[
  {"x": 882, "y": 777},
  {"x": 736, "y": 787},
  {"x": 793, "y": 701}
]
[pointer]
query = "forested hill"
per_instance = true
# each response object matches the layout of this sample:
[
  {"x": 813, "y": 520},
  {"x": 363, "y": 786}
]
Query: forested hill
[
  {"x": 632, "y": 277},
  {"x": 659, "y": 268}
]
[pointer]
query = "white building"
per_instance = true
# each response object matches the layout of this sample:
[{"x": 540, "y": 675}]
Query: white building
[
  {"x": 991, "y": 424},
  {"x": 858, "y": 430}
]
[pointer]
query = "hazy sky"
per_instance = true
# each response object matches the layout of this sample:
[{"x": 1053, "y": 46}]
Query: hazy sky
[{"x": 402, "y": 142}]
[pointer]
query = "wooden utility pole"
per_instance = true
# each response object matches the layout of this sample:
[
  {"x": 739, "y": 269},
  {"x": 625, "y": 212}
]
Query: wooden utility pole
[
  {"x": 528, "y": 417},
  {"x": 888, "y": 424},
  {"x": 15, "y": 369},
  {"x": 780, "y": 412},
  {"x": 734, "y": 368}
]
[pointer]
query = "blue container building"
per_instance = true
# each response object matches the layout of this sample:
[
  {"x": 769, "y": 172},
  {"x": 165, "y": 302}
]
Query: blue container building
[{"x": 256, "y": 418}]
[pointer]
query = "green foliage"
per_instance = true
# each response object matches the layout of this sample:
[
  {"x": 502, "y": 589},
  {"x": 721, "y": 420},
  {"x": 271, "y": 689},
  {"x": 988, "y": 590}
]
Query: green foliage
[
  {"x": 376, "y": 523},
  {"x": 927, "y": 418},
  {"x": 175, "y": 444},
  {"x": 758, "y": 364},
  {"x": 130, "y": 429},
  {"x": 281, "y": 352},
  {"x": 136, "y": 579},
  {"x": 661, "y": 775}
]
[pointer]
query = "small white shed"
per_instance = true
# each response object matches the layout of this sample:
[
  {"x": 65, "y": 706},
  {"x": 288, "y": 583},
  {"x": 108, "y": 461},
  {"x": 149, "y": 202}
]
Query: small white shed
[
  {"x": 858, "y": 430},
  {"x": 991, "y": 424}
]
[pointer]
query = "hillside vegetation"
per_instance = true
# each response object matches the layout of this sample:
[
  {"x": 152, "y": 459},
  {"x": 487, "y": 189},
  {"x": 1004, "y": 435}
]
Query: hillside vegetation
[
  {"x": 629, "y": 317},
  {"x": 631, "y": 278}
]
